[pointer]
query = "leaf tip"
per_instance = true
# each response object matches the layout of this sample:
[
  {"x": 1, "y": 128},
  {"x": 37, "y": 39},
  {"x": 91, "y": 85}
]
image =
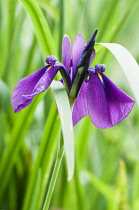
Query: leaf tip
[{"x": 70, "y": 175}]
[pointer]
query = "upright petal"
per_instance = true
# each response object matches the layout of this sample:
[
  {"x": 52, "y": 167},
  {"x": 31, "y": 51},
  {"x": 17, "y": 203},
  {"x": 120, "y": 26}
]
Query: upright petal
[
  {"x": 107, "y": 104},
  {"x": 77, "y": 49},
  {"x": 25, "y": 86},
  {"x": 80, "y": 106},
  {"x": 66, "y": 52}
]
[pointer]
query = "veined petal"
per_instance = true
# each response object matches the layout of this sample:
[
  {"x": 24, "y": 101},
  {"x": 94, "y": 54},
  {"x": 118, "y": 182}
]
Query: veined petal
[
  {"x": 32, "y": 85},
  {"x": 24, "y": 87},
  {"x": 107, "y": 104},
  {"x": 43, "y": 83},
  {"x": 66, "y": 51},
  {"x": 80, "y": 106},
  {"x": 77, "y": 49}
]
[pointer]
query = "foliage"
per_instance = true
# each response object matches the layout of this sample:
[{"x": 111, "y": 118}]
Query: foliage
[{"x": 107, "y": 161}]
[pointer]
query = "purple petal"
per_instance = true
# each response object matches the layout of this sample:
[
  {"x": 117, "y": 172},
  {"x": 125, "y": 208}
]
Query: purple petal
[
  {"x": 30, "y": 86},
  {"x": 57, "y": 64},
  {"x": 77, "y": 49},
  {"x": 107, "y": 104},
  {"x": 25, "y": 86},
  {"x": 66, "y": 51},
  {"x": 80, "y": 106},
  {"x": 43, "y": 83}
]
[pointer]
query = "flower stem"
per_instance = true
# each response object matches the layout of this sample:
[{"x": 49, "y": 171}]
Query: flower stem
[{"x": 60, "y": 153}]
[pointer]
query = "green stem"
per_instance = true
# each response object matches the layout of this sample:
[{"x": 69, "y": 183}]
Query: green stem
[{"x": 55, "y": 174}]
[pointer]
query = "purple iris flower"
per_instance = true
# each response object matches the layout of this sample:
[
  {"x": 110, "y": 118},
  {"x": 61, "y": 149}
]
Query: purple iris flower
[{"x": 93, "y": 92}]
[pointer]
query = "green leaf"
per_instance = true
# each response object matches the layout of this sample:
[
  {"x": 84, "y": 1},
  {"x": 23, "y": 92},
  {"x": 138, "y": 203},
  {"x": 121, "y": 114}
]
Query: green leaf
[
  {"x": 44, "y": 159},
  {"x": 4, "y": 94},
  {"x": 121, "y": 192},
  {"x": 36, "y": 191},
  {"x": 52, "y": 11},
  {"x": 103, "y": 188},
  {"x": 15, "y": 142},
  {"x": 135, "y": 196},
  {"x": 41, "y": 27},
  {"x": 128, "y": 64},
  {"x": 64, "y": 110}
]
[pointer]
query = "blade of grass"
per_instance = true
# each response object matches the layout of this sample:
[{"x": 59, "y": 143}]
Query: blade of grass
[
  {"x": 61, "y": 25},
  {"x": 27, "y": 68},
  {"x": 17, "y": 135},
  {"x": 104, "y": 24},
  {"x": 36, "y": 191},
  {"x": 135, "y": 195},
  {"x": 111, "y": 35},
  {"x": 48, "y": 160},
  {"x": 107, "y": 192},
  {"x": 13, "y": 52},
  {"x": 131, "y": 4},
  {"x": 52, "y": 11},
  {"x": 41, "y": 27},
  {"x": 121, "y": 198},
  {"x": 60, "y": 153},
  {"x": 46, "y": 143}
]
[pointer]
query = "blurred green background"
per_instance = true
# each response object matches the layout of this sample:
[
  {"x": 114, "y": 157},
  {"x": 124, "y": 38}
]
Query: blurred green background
[{"x": 107, "y": 161}]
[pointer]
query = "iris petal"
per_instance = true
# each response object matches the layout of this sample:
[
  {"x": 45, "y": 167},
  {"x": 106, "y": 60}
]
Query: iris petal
[
  {"x": 107, "y": 104},
  {"x": 66, "y": 51},
  {"x": 80, "y": 106},
  {"x": 32, "y": 85},
  {"x": 24, "y": 87},
  {"x": 43, "y": 83},
  {"x": 77, "y": 49}
]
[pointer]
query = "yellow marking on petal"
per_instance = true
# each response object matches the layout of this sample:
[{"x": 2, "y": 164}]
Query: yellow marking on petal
[
  {"x": 100, "y": 77},
  {"x": 49, "y": 68}
]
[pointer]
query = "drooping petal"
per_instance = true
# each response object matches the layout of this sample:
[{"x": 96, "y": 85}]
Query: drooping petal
[
  {"x": 30, "y": 86},
  {"x": 107, "y": 104},
  {"x": 66, "y": 51},
  {"x": 24, "y": 87},
  {"x": 80, "y": 106},
  {"x": 43, "y": 83},
  {"x": 77, "y": 49}
]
